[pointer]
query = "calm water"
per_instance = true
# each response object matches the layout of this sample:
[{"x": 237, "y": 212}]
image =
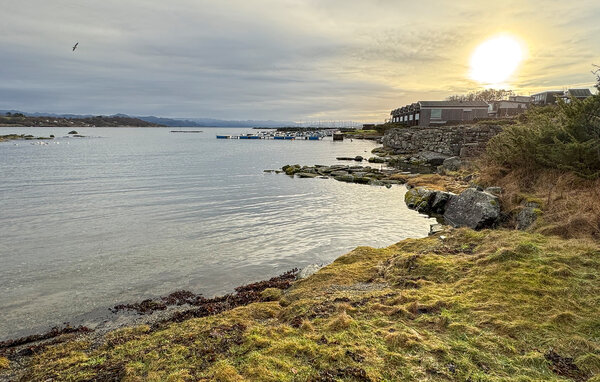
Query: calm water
[{"x": 127, "y": 214}]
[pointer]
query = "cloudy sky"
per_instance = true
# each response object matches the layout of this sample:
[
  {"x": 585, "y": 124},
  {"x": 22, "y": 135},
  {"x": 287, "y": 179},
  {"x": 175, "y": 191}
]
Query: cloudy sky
[{"x": 281, "y": 59}]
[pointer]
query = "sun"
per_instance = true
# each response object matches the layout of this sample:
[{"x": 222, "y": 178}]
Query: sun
[{"x": 496, "y": 59}]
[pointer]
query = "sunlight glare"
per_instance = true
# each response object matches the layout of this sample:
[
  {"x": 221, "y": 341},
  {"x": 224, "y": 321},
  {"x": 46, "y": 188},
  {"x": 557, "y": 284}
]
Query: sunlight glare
[{"x": 496, "y": 59}]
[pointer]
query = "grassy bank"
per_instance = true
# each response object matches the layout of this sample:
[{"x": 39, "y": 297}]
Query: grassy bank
[{"x": 478, "y": 306}]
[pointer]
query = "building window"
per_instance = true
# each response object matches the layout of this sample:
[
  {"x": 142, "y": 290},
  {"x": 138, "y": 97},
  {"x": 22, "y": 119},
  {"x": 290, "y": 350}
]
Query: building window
[
  {"x": 417, "y": 117},
  {"x": 410, "y": 117},
  {"x": 436, "y": 113}
]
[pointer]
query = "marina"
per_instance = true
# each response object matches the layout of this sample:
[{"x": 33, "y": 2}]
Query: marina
[{"x": 305, "y": 136}]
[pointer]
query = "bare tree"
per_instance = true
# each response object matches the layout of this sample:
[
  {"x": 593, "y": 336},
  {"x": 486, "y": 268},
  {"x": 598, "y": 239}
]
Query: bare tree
[{"x": 483, "y": 95}]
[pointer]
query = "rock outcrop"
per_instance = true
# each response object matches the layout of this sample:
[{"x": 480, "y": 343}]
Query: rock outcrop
[
  {"x": 528, "y": 215},
  {"x": 474, "y": 209}
]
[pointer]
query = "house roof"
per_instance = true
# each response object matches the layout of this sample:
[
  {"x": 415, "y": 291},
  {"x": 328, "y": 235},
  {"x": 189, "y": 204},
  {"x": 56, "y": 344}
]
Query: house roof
[
  {"x": 453, "y": 104},
  {"x": 580, "y": 92},
  {"x": 549, "y": 92}
]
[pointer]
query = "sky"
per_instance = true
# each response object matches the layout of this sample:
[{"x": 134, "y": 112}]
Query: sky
[{"x": 282, "y": 59}]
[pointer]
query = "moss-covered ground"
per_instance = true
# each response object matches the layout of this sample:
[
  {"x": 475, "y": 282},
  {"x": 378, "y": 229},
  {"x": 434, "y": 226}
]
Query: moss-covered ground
[{"x": 469, "y": 306}]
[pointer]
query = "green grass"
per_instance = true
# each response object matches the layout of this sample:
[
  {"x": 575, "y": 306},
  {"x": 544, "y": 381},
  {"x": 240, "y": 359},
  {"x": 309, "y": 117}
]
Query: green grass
[{"x": 475, "y": 306}]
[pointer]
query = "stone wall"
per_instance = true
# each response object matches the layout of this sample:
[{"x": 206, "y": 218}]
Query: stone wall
[{"x": 464, "y": 141}]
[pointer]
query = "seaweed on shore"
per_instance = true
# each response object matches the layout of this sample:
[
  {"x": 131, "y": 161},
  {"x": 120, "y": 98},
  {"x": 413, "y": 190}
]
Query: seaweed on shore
[
  {"x": 9, "y": 346},
  {"x": 244, "y": 295}
]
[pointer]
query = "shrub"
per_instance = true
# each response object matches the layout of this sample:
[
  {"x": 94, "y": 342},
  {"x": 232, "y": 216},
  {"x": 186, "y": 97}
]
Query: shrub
[{"x": 566, "y": 137}]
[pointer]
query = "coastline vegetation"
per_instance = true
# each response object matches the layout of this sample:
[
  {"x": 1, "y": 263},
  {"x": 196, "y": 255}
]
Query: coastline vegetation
[{"x": 480, "y": 306}]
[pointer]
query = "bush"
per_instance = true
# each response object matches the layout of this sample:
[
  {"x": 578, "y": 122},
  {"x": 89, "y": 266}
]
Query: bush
[{"x": 565, "y": 137}]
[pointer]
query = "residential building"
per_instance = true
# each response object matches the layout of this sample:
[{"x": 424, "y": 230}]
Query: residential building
[
  {"x": 576, "y": 93},
  {"x": 550, "y": 97},
  {"x": 426, "y": 113},
  {"x": 511, "y": 107}
]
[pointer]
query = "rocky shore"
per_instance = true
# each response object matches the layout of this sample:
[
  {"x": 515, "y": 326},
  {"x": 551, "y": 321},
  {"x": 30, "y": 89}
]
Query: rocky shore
[{"x": 22, "y": 137}]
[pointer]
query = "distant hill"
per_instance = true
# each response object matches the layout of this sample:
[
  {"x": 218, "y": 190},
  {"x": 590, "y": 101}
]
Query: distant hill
[
  {"x": 171, "y": 122},
  {"x": 19, "y": 119}
]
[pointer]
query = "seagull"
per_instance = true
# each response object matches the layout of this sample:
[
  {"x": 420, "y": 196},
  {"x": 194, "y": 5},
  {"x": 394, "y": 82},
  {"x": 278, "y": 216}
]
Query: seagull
[{"x": 75, "y": 46}]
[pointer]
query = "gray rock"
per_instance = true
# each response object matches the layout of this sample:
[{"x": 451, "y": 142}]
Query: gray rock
[
  {"x": 306, "y": 175},
  {"x": 528, "y": 215},
  {"x": 432, "y": 158},
  {"x": 474, "y": 209},
  {"x": 309, "y": 270},
  {"x": 439, "y": 201},
  {"x": 358, "y": 158},
  {"x": 338, "y": 173},
  {"x": 344, "y": 178},
  {"x": 451, "y": 164},
  {"x": 376, "y": 160}
]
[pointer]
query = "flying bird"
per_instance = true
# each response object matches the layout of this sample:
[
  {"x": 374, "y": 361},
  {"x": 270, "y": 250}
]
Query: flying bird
[{"x": 75, "y": 46}]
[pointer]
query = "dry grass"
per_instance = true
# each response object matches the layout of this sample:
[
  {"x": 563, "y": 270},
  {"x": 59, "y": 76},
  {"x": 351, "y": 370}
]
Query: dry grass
[
  {"x": 570, "y": 205},
  {"x": 451, "y": 182}
]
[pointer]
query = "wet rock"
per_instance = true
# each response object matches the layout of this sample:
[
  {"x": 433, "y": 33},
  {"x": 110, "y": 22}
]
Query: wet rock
[
  {"x": 528, "y": 215},
  {"x": 474, "y": 209},
  {"x": 376, "y": 160},
  {"x": 338, "y": 173},
  {"x": 344, "y": 158},
  {"x": 362, "y": 180},
  {"x": 72, "y": 132},
  {"x": 418, "y": 199},
  {"x": 309, "y": 270},
  {"x": 344, "y": 178},
  {"x": 291, "y": 169},
  {"x": 269, "y": 171},
  {"x": 358, "y": 158},
  {"x": 306, "y": 175}
]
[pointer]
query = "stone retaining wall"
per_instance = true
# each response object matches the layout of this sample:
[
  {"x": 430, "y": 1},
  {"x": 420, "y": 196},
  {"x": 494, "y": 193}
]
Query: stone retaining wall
[{"x": 464, "y": 141}]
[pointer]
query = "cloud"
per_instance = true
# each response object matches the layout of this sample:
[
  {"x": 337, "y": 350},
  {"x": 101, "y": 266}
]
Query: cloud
[{"x": 286, "y": 59}]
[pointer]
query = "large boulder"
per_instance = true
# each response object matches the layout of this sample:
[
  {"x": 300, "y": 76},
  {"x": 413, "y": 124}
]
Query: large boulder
[
  {"x": 431, "y": 158},
  {"x": 474, "y": 209},
  {"x": 450, "y": 164}
]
